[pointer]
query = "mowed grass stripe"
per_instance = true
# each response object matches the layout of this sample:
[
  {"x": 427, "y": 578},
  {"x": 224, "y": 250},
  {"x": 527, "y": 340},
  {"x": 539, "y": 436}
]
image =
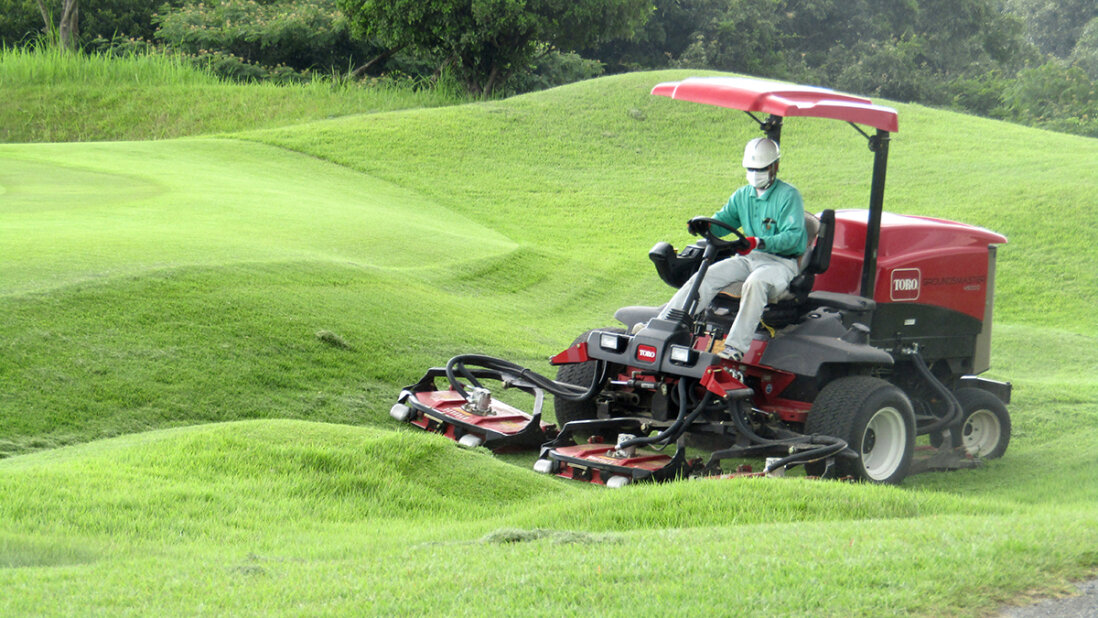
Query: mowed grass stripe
[{"x": 78, "y": 212}]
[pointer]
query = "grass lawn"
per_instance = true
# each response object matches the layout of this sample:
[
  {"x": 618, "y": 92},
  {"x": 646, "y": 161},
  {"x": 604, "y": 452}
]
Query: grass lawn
[{"x": 203, "y": 337}]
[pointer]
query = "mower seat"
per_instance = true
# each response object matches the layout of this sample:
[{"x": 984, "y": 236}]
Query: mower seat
[{"x": 786, "y": 307}]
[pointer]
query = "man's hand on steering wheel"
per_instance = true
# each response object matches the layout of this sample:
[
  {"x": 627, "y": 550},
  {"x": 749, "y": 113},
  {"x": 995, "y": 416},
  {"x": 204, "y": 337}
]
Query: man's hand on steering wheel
[{"x": 697, "y": 226}]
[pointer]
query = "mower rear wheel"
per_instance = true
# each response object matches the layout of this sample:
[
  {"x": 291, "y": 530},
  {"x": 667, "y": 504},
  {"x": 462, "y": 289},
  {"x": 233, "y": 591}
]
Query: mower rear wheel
[
  {"x": 876, "y": 420},
  {"x": 580, "y": 374},
  {"x": 985, "y": 424}
]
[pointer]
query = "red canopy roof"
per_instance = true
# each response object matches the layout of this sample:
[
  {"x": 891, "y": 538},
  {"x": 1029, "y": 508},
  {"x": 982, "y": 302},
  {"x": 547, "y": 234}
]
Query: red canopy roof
[{"x": 780, "y": 99}]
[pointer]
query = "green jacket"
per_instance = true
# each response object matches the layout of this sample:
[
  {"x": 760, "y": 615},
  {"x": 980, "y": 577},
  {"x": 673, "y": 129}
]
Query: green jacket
[{"x": 776, "y": 218}]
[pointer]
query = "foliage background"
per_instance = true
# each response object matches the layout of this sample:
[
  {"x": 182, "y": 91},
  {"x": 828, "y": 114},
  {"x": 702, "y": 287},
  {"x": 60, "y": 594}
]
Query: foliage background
[{"x": 1028, "y": 61}]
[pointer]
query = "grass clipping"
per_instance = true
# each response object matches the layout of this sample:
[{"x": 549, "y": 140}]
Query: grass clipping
[
  {"x": 505, "y": 536},
  {"x": 331, "y": 339}
]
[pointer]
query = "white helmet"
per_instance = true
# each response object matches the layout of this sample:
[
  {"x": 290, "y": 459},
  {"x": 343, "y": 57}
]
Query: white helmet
[{"x": 760, "y": 152}]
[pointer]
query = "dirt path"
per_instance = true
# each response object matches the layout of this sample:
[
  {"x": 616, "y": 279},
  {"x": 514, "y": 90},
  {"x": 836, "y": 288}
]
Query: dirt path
[{"x": 1085, "y": 605}]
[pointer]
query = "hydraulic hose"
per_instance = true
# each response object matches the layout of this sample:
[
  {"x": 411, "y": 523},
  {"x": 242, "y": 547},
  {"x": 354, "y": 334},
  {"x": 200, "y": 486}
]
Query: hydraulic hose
[
  {"x": 682, "y": 421},
  {"x": 955, "y": 411},
  {"x": 827, "y": 445},
  {"x": 833, "y": 447},
  {"x": 571, "y": 392}
]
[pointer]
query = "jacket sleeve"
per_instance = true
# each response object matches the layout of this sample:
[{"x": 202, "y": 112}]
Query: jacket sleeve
[{"x": 790, "y": 238}]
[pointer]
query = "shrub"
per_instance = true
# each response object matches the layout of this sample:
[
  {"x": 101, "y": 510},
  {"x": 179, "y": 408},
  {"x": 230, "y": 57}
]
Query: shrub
[
  {"x": 1055, "y": 96},
  {"x": 553, "y": 68},
  {"x": 103, "y": 20},
  {"x": 245, "y": 39}
]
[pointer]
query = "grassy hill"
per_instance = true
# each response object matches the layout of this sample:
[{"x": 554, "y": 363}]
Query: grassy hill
[{"x": 204, "y": 336}]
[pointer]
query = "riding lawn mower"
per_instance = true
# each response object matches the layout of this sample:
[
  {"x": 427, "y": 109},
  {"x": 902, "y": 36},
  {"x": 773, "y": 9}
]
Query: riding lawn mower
[{"x": 879, "y": 340}]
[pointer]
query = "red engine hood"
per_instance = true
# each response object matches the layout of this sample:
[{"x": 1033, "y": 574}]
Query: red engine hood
[{"x": 920, "y": 259}]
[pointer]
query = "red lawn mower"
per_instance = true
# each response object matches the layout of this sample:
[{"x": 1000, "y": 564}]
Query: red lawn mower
[{"x": 878, "y": 340}]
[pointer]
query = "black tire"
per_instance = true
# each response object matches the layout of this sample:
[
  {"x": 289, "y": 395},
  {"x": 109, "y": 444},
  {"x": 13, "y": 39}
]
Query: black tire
[
  {"x": 580, "y": 374},
  {"x": 985, "y": 424},
  {"x": 877, "y": 422}
]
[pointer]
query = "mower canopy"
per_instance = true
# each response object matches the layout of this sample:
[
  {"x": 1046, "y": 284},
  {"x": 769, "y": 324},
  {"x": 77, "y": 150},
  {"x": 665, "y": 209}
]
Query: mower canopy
[{"x": 780, "y": 99}]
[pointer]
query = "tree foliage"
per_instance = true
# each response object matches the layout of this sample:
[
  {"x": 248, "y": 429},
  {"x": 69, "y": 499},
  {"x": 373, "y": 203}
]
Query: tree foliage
[
  {"x": 247, "y": 39},
  {"x": 1085, "y": 54},
  {"x": 1031, "y": 61},
  {"x": 21, "y": 21},
  {"x": 1054, "y": 26},
  {"x": 485, "y": 41}
]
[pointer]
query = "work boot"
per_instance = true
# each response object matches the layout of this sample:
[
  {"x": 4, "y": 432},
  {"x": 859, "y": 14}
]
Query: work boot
[{"x": 730, "y": 353}]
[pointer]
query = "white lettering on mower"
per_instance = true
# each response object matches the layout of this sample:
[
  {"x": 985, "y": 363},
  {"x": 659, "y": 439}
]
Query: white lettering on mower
[
  {"x": 905, "y": 284},
  {"x": 646, "y": 353}
]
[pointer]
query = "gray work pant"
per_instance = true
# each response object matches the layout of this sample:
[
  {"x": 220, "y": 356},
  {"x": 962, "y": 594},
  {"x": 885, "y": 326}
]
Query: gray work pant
[{"x": 765, "y": 278}]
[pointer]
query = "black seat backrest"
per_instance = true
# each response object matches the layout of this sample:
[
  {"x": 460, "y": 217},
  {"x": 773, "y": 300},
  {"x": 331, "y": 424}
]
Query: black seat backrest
[
  {"x": 819, "y": 258},
  {"x": 821, "y": 253}
]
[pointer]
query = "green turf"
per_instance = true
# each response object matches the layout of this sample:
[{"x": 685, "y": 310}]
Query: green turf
[{"x": 202, "y": 339}]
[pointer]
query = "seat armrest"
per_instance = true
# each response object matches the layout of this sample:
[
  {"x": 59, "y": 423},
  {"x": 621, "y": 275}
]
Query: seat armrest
[{"x": 843, "y": 302}]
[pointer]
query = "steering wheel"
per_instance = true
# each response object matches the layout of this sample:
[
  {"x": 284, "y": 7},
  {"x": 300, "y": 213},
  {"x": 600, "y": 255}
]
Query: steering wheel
[{"x": 705, "y": 224}]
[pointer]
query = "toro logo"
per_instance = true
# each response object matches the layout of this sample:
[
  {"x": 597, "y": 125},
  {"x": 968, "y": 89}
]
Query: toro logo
[
  {"x": 646, "y": 354},
  {"x": 905, "y": 284}
]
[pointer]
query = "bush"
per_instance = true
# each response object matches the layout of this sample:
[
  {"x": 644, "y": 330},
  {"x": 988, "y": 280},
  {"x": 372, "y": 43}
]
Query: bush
[
  {"x": 895, "y": 69},
  {"x": 1055, "y": 96},
  {"x": 1085, "y": 54},
  {"x": 982, "y": 94},
  {"x": 103, "y": 20},
  {"x": 553, "y": 68},
  {"x": 245, "y": 39}
]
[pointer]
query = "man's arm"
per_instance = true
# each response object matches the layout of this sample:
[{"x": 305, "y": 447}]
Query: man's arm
[
  {"x": 730, "y": 215},
  {"x": 790, "y": 238}
]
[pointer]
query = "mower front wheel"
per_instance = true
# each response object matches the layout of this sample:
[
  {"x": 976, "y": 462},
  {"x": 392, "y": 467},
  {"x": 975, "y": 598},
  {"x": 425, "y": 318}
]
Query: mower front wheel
[{"x": 876, "y": 420}]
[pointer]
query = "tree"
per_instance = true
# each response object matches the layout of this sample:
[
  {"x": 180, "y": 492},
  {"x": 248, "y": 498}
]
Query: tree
[
  {"x": 1054, "y": 25},
  {"x": 275, "y": 39},
  {"x": 21, "y": 21},
  {"x": 68, "y": 26},
  {"x": 485, "y": 41},
  {"x": 1085, "y": 54},
  {"x": 745, "y": 37},
  {"x": 672, "y": 27}
]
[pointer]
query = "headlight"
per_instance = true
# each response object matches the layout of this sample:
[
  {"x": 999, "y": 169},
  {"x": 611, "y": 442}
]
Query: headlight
[
  {"x": 683, "y": 355},
  {"x": 613, "y": 342}
]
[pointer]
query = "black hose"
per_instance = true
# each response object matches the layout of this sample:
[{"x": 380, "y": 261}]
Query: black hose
[
  {"x": 828, "y": 445},
  {"x": 682, "y": 421},
  {"x": 831, "y": 448},
  {"x": 955, "y": 411},
  {"x": 570, "y": 392}
]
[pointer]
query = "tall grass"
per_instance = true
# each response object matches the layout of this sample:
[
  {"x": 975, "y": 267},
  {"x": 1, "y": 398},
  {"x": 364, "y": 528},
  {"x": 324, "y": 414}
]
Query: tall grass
[
  {"x": 51, "y": 95},
  {"x": 45, "y": 65}
]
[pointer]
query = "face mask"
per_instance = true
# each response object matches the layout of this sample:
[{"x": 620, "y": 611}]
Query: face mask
[{"x": 759, "y": 180}]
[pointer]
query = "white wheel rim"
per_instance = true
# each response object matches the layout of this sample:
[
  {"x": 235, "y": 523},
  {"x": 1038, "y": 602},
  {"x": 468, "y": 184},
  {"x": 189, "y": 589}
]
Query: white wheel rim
[
  {"x": 981, "y": 433},
  {"x": 883, "y": 444}
]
